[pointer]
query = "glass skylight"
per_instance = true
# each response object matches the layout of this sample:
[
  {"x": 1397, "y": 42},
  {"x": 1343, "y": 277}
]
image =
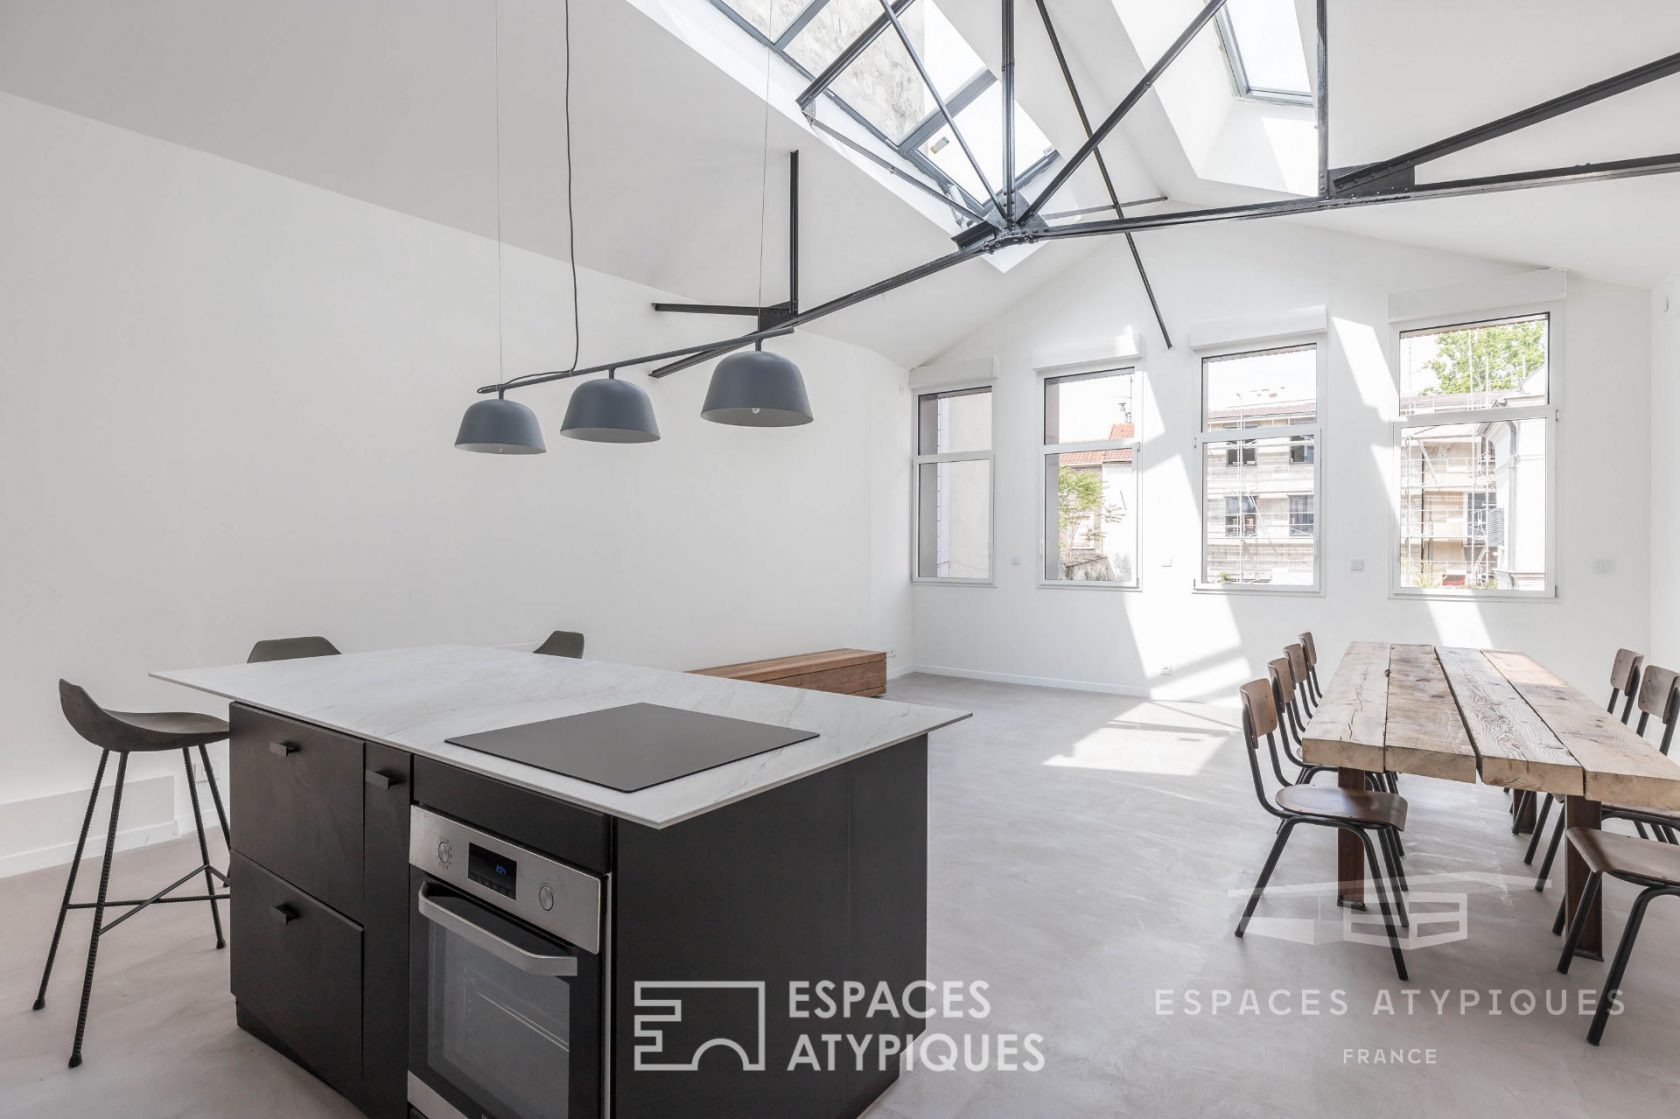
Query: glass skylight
[
  {"x": 1263, "y": 42},
  {"x": 882, "y": 90}
]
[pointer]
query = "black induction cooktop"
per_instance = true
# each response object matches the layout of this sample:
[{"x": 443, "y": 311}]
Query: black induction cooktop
[{"x": 632, "y": 747}]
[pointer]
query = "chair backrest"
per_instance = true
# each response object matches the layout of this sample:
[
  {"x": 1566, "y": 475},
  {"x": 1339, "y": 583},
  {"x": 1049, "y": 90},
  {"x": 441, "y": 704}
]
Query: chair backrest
[
  {"x": 562, "y": 643},
  {"x": 1297, "y": 655},
  {"x": 1624, "y": 680},
  {"x": 290, "y": 649},
  {"x": 1658, "y": 696},
  {"x": 95, "y": 724},
  {"x": 1311, "y": 647},
  {"x": 1260, "y": 717}
]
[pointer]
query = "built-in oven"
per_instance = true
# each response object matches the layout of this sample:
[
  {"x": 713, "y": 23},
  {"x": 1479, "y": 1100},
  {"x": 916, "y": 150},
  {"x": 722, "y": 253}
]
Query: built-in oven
[{"x": 505, "y": 988}]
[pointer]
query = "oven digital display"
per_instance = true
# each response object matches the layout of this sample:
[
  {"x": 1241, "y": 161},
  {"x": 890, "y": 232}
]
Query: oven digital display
[{"x": 488, "y": 868}]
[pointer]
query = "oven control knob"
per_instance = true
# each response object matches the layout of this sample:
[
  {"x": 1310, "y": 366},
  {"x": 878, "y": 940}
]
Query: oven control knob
[
  {"x": 445, "y": 854},
  {"x": 545, "y": 896}
]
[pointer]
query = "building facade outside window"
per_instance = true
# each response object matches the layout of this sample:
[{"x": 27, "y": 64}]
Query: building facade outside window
[
  {"x": 953, "y": 486},
  {"x": 1474, "y": 466},
  {"x": 1260, "y": 468},
  {"x": 1090, "y": 481}
]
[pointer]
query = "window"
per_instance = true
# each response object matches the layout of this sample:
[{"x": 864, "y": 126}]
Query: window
[
  {"x": 882, "y": 91},
  {"x": 1259, "y": 440},
  {"x": 1300, "y": 514},
  {"x": 1090, "y": 478},
  {"x": 1473, "y": 438},
  {"x": 1262, "y": 42},
  {"x": 953, "y": 496},
  {"x": 1241, "y": 518}
]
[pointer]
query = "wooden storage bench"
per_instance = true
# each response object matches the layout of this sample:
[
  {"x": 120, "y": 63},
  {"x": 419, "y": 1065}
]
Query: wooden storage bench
[{"x": 847, "y": 671}]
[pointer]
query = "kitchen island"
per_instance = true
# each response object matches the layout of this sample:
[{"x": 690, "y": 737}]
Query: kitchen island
[{"x": 422, "y": 924}]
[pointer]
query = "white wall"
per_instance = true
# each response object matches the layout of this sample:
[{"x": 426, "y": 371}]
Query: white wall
[
  {"x": 227, "y": 403},
  {"x": 1665, "y": 472},
  {"x": 1175, "y": 642}
]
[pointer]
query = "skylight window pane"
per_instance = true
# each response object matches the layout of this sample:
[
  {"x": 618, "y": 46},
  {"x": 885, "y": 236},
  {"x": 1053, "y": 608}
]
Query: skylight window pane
[
  {"x": 883, "y": 85},
  {"x": 982, "y": 126},
  {"x": 832, "y": 31},
  {"x": 770, "y": 16},
  {"x": 1268, "y": 39}
]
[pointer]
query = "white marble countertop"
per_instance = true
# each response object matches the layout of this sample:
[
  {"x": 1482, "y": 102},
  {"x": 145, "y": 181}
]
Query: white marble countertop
[{"x": 415, "y": 699}]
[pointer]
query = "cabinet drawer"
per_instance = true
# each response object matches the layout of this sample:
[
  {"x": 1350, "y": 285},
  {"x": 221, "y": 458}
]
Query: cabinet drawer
[
  {"x": 297, "y": 804},
  {"x": 296, "y": 968}
]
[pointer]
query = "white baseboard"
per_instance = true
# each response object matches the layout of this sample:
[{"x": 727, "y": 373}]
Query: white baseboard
[
  {"x": 41, "y": 832},
  {"x": 1031, "y": 681}
]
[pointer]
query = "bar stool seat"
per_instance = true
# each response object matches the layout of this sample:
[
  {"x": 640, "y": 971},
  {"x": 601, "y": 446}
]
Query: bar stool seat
[
  {"x": 123, "y": 733},
  {"x": 169, "y": 730}
]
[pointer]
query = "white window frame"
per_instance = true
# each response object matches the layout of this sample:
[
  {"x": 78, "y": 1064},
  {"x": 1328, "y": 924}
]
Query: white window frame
[
  {"x": 918, "y": 460},
  {"x": 1551, "y": 410},
  {"x": 1320, "y": 342},
  {"x": 1080, "y": 369}
]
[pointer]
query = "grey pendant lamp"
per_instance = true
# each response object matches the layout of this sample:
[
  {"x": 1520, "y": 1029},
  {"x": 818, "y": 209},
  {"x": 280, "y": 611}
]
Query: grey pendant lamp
[
  {"x": 757, "y": 389},
  {"x": 610, "y": 411},
  {"x": 497, "y": 425},
  {"x": 752, "y": 388}
]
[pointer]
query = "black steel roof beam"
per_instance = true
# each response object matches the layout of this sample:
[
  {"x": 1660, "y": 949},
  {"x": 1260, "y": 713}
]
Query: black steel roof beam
[
  {"x": 1102, "y": 164},
  {"x": 1511, "y": 122},
  {"x": 799, "y": 21},
  {"x": 1144, "y": 85},
  {"x": 847, "y": 56},
  {"x": 888, "y": 166},
  {"x": 1008, "y": 33},
  {"x": 1321, "y": 100},
  {"x": 1452, "y": 188}
]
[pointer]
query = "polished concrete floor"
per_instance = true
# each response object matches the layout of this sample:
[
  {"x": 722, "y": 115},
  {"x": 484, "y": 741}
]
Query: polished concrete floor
[{"x": 1088, "y": 854}]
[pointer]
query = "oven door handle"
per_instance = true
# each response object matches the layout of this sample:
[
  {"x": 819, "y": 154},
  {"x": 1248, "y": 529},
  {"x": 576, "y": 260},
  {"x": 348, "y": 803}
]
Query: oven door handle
[{"x": 559, "y": 965}]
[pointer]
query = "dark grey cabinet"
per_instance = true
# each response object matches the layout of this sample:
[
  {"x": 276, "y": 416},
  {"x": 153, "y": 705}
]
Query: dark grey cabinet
[
  {"x": 297, "y": 792},
  {"x": 319, "y": 941},
  {"x": 296, "y": 972}
]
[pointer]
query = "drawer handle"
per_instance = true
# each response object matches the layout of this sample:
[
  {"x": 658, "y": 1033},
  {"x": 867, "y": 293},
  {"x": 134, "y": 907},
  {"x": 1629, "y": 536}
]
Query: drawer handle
[
  {"x": 285, "y": 914},
  {"x": 380, "y": 780},
  {"x": 282, "y": 748}
]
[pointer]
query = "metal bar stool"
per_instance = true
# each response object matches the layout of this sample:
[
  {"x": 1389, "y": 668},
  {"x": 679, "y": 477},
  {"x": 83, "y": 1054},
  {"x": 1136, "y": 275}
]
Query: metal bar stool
[
  {"x": 562, "y": 643},
  {"x": 290, "y": 649},
  {"x": 123, "y": 733}
]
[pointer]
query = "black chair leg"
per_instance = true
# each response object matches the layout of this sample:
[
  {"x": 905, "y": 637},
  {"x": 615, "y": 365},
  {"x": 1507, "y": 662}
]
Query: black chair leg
[
  {"x": 1563, "y": 906},
  {"x": 70, "y": 880},
  {"x": 215, "y": 795},
  {"x": 203, "y": 849},
  {"x": 1382, "y": 900},
  {"x": 1398, "y": 872},
  {"x": 1551, "y": 854},
  {"x": 1266, "y": 872},
  {"x": 1613, "y": 984},
  {"x": 1386, "y": 842},
  {"x": 1588, "y": 894},
  {"x": 1639, "y": 826},
  {"x": 99, "y": 912},
  {"x": 1539, "y": 829}
]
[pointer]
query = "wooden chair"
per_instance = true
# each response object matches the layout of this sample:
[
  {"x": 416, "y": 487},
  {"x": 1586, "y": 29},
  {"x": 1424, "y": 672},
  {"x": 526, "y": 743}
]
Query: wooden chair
[
  {"x": 562, "y": 643},
  {"x": 1659, "y": 695},
  {"x": 1311, "y": 648},
  {"x": 1653, "y": 866},
  {"x": 1302, "y": 671},
  {"x": 1356, "y": 811},
  {"x": 1290, "y": 726}
]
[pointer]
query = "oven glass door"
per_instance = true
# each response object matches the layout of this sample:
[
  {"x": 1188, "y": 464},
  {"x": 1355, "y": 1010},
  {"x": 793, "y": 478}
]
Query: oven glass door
[{"x": 506, "y": 1020}]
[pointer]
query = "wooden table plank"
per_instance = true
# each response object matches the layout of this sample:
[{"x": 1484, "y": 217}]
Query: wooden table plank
[
  {"x": 1617, "y": 764},
  {"x": 1515, "y": 747},
  {"x": 1347, "y": 729},
  {"x": 1426, "y": 733}
]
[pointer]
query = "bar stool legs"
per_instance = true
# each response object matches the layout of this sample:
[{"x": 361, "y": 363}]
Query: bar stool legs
[
  {"x": 70, "y": 881},
  {"x": 99, "y": 912},
  {"x": 215, "y": 794},
  {"x": 203, "y": 847}
]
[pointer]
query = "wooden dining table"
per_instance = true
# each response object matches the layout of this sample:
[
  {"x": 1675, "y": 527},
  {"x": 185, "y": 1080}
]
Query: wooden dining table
[{"x": 1460, "y": 714}]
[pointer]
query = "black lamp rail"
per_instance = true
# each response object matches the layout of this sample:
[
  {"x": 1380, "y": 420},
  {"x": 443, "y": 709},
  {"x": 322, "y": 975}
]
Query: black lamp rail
[{"x": 718, "y": 348}]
